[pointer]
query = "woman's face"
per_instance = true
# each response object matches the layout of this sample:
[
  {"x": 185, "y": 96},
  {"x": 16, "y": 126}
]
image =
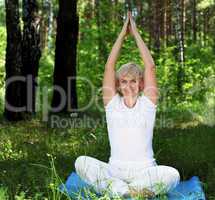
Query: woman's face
[{"x": 129, "y": 85}]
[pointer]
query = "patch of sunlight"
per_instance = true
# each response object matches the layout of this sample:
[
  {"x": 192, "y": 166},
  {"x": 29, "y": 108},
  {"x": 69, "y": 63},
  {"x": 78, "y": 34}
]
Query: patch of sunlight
[
  {"x": 205, "y": 4},
  {"x": 190, "y": 124}
]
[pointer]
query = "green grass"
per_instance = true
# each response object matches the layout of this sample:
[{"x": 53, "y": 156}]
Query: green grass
[{"x": 26, "y": 170}]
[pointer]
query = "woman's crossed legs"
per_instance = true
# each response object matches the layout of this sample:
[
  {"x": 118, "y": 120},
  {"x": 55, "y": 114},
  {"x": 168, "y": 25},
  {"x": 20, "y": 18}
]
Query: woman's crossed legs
[
  {"x": 96, "y": 173},
  {"x": 99, "y": 174}
]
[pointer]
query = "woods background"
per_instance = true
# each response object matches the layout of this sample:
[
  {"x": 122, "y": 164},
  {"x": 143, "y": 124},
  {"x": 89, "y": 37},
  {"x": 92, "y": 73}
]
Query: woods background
[
  {"x": 54, "y": 41},
  {"x": 47, "y": 42}
]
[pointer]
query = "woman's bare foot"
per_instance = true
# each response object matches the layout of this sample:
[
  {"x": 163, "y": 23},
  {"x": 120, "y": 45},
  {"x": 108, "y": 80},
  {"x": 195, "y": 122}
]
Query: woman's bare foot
[{"x": 144, "y": 193}]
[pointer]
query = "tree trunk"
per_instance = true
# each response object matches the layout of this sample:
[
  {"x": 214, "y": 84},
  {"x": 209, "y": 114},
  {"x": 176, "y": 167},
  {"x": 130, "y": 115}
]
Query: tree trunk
[
  {"x": 44, "y": 24},
  {"x": 101, "y": 20},
  {"x": 179, "y": 31},
  {"x": 150, "y": 23},
  {"x": 13, "y": 65},
  {"x": 205, "y": 24},
  {"x": 50, "y": 25},
  {"x": 65, "y": 57},
  {"x": 30, "y": 53},
  {"x": 168, "y": 21},
  {"x": 140, "y": 17},
  {"x": 156, "y": 25},
  {"x": 194, "y": 21}
]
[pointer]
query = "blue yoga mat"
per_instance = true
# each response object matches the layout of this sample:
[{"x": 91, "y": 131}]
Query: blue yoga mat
[{"x": 191, "y": 189}]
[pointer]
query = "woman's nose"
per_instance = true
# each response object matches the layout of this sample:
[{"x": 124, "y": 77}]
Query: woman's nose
[
  {"x": 129, "y": 87},
  {"x": 128, "y": 84}
]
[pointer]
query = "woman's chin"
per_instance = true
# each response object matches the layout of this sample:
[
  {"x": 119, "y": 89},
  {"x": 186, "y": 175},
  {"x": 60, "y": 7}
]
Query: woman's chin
[{"x": 129, "y": 94}]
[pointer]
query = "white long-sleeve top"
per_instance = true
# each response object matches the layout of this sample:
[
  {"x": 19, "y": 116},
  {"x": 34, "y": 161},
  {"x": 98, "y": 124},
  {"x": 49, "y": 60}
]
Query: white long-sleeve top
[{"x": 130, "y": 130}]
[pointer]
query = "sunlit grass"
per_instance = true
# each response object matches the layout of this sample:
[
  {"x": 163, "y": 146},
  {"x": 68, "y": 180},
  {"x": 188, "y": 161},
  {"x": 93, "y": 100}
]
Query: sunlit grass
[{"x": 24, "y": 147}]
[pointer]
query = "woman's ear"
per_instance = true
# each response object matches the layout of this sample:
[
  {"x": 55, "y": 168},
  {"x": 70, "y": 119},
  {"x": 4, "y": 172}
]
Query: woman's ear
[
  {"x": 141, "y": 85},
  {"x": 117, "y": 85}
]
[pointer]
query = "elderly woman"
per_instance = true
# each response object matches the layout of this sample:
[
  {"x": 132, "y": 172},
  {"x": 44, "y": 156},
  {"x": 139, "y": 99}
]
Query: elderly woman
[{"x": 130, "y": 114}]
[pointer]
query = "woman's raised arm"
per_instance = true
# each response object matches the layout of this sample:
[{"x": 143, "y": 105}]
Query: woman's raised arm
[
  {"x": 150, "y": 83},
  {"x": 109, "y": 82}
]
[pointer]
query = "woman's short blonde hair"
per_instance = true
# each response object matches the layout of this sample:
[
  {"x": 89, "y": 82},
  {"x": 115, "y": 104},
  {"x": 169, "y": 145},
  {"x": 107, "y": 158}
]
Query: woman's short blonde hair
[{"x": 129, "y": 69}]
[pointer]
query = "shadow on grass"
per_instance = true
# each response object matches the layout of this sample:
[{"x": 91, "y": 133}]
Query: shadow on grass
[
  {"x": 24, "y": 163},
  {"x": 189, "y": 150}
]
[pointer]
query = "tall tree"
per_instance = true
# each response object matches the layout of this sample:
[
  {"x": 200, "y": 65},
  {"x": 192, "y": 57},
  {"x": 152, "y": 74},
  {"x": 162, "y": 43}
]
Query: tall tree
[
  {"x": 22, "y": 59},
  {"x": 47, "y": 22},
  {"x": 13, "y": 65},
  {"x": 194, "y": 24},
  {"x": 65, "y": 57},
  {"x": 44, "y": 23},
  {"x": 150, "y": 23},
  {"x": 30, "y": 53},
  {"x": 167, "y": 22},
  {"x": 157, "y": 24},
  {"x": 179, "y": 32},
  {"x": 101, "y": 22}
]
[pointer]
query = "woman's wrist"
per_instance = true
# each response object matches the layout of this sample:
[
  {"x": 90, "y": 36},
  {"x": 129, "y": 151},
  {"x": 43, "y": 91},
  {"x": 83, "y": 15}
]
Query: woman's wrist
[
  {"x": 136, "y": 35},
  {"x": 121, "y": 36}
]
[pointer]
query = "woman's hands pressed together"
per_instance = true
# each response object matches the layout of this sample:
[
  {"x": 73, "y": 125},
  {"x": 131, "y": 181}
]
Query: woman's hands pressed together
[
  {"x": 129, "y": 26},
  {"x": 132, "y": 25},
  {"x": 125, "y": 29}
]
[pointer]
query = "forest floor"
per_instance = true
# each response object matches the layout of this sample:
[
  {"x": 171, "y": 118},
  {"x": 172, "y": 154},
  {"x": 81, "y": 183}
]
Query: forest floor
[{"x": 33, "y": 155}]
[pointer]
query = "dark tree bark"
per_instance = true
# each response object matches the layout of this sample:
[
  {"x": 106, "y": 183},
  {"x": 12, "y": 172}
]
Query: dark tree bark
[
  {"x": 13, "y": 62},
  {"x": 30, "y": 53},
  {"x": 150, "y": 23},
  {"x": 161, "y": 20},
  {"x": 206, "y": 25},
  {"x": 167, "y": 22},
  {"x": 140, "y": 16},
  {"x": 194, "y": 16},
  {"x": 44, "y": 24},
  {"x": 179, "y": 32},
  {"x": 101, "y": 21},
  {"x": 65, "y": 56},
  {"x": 22, "y": 59},
  {"x": 50, "y": 24},
  {"x": 156, "y": 25}
]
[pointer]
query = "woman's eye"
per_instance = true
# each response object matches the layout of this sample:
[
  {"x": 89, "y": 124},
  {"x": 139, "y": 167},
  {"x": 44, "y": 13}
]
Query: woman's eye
[{"x": 133, "y": 81}]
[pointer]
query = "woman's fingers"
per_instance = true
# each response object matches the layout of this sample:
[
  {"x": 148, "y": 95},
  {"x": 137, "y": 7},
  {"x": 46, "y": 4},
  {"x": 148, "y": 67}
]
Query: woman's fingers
[
  {"x": 132, "y": 21},
  {"x": 133, "y": 28},
  {"x": 127, "y": 20},
  {"x": 129, "y": 26},
  {"x": 129, "y": 14},
  {"x": 125, "y": 26}
]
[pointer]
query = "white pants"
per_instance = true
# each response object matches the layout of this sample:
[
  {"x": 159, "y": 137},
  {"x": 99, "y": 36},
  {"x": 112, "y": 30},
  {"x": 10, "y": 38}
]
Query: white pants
[{"x": 119, "y": 179}]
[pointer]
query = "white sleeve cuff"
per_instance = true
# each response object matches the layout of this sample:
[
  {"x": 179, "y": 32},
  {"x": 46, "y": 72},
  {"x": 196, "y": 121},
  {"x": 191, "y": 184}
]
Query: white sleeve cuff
[
  {"x": 149, "y": 102},
  {"x": 108, "y": 105}
]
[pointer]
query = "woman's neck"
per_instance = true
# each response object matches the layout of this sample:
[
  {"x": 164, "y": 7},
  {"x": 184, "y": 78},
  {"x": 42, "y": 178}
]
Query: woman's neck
[{"x": 130, "y": 101}]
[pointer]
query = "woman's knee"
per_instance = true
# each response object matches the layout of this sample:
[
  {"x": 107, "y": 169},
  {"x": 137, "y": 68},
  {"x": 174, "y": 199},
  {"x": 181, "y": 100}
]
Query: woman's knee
[
  {"x": 172, "y": 176},
  {"x": 170, "y": 170},
  {"x": 87, "y": 163},
  {"x": 174, "y": 173},
  {"x": 167, "y": 176},
  {"x": 80, "y": 162},
  {"x": 175, "y": 176}
]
